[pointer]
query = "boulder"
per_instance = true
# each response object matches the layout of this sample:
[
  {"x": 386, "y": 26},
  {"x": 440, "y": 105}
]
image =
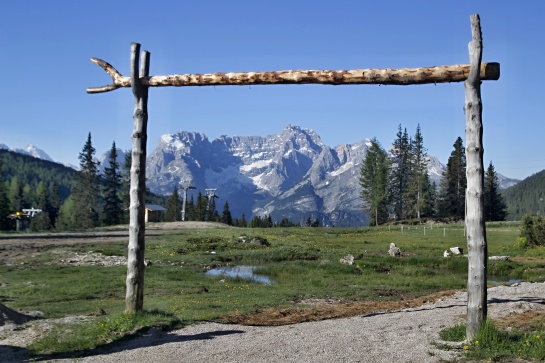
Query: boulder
[
  {"x": 347, "y": 260},
  {"x": 457, "y": 250},
  {"x": 260, "y": 241},
  {"x": 254, "y": 240},
  {"x": 499, "y": 258}
]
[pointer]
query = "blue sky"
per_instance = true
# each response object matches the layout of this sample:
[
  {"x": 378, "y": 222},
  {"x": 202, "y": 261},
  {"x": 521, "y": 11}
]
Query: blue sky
[{"x": 45, "y": 47}]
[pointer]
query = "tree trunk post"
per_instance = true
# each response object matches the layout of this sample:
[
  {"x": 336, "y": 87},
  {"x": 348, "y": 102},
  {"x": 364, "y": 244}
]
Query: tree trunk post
[
  {"x": 402, "y": 76},
  {"x": 474, "y": 221},
  {"x": 134, "y": 298}
]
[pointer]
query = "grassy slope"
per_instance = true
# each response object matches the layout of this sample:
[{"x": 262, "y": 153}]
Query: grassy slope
[{"x": 302, "y": 262}]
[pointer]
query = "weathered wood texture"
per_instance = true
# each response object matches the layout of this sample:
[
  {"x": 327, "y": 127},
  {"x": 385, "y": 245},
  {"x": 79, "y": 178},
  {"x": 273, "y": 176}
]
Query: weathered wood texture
[
  {"x": 475, "y": 225},
  {"x": 402, "y": 76},
  {"x": 134, "y": 298}
]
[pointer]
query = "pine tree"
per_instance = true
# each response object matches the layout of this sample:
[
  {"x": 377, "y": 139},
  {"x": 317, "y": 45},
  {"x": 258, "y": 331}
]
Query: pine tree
[
  {"x": 454, "y": 183},
  {"x": 189, "y": 209},
  {"x": 41, "y": 221},
  {"x": 86, "y": 192},
  {"x": 494, "y": 205},
  {"x": 174, "y": 207},
  {"x": 67, "y": 217},
  {"x": 243, "y": 222},
  {"x": 227, "y": 218},
  {"x": 28, "y": 197},
  {"x": 213, "y": 215},
  {"x": 5, "y": 223},
  {"x": 374, "y": 182},
  {"x": 417, "y": 179},
  {"x": 15, "y": 195},
  {"x": 112, "y": 210},
  {"x": 200, "y": 207},
  {"x": 400, "y": 161},
  {"x": 126, "y": 186},
  {"x": 430, "y": 198},
  {"x": 53, "y": 204}
]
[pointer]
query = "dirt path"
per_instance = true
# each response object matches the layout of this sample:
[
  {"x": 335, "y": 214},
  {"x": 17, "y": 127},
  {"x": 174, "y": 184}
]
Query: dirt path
[
  {"x": 24, "y": 246},
  {"x": 399, "y": 336}
]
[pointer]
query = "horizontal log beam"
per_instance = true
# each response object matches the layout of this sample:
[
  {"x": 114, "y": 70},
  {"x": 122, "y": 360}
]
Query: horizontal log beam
[{"x": 401, "y": 76}]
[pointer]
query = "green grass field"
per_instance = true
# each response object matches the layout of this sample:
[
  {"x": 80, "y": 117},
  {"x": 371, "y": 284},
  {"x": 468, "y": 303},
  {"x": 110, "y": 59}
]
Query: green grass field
[{"x": 301, "y": 262}]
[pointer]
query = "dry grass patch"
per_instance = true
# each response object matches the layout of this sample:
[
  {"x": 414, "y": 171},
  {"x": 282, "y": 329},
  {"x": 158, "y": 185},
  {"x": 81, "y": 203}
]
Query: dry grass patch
[
  {"x": 286, "y": 316},
  {"x": 527, "y": 322}
]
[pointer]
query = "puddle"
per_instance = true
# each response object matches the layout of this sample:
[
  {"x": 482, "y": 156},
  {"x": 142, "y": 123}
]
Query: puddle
[
  {"x": 243, "y": 272},
  {"x": 504, "y": 282}
]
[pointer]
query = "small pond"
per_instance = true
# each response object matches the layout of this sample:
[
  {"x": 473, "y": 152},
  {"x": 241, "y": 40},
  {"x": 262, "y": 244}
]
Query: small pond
[
  {"x": 500, "y": 281},
  {"x": 243, "y": 272}
]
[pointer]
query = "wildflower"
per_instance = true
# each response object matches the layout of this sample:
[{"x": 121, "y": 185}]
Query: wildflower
[
  {"x": 466, "y": 347},
  {"x": 477, "y": 342},
  {"x": 538, "y": 337}
]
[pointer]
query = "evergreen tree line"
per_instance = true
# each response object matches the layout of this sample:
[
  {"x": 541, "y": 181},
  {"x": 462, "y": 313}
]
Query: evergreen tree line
[
  {"x": 98, "y": 200},
  {"x": 202, "y": 209},
  {"x": 527, "y": 197},
  {"x": 70, "y": 199},
  {"x": 396, "y": 186},
  {"x": 27, "y": 182}
]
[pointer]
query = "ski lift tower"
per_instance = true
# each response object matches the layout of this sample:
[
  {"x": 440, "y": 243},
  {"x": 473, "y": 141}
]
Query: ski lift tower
[
  {"x": 210, "y": 194},
  {"x": 185, "y": 186}
]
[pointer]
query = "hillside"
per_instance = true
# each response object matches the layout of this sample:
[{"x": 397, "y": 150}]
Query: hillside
[
  {"x": 31, "y": 171},
  {"x": 528, "y": 196}
]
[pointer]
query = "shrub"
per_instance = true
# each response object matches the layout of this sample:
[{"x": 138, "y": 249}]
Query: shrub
[{"x": 533, "y": 230}]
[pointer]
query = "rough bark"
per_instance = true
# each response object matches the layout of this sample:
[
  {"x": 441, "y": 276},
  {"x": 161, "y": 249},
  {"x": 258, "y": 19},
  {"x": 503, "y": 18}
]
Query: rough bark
[
  {"x": 134, "y": 298},
  {"x": 402, "y": 76},
  {"x": 475, "y": 225}
]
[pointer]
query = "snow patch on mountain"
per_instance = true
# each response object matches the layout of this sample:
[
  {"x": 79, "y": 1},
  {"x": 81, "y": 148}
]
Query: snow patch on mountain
[{"x": 35, "y": 152}]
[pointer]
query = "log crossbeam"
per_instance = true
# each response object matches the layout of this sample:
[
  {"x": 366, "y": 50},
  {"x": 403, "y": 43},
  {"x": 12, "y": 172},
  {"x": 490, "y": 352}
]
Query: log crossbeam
[{"x": 385, "y": 76}]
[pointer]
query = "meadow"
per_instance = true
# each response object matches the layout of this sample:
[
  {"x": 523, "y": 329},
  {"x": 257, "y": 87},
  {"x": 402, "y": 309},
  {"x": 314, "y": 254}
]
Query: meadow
[{"x": 303, "y": 264}]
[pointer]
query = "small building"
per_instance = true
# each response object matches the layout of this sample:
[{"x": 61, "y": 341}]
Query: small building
[
  {"x": 22, "y": 221},
  {"x": 154, "y": 213}
]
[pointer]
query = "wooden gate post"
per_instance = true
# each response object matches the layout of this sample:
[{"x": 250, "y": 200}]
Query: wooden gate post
[
  {"x": 134, "y": 298},
  {"x": 474, "y": 220}
]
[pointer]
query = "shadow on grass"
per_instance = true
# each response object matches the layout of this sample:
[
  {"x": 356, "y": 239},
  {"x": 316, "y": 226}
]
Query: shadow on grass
[{"x": 145, "y": 337}]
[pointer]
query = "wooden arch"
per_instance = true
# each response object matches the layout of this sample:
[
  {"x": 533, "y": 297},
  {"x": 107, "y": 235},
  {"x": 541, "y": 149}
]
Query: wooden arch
[{"x": 471, "y": 74}]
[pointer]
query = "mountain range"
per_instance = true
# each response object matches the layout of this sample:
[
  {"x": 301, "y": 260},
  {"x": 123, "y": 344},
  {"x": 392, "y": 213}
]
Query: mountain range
[{"x": 291, "y": 175}]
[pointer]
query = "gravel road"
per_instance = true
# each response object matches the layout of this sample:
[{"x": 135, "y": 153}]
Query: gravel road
[{"x": 403, "y": 336}]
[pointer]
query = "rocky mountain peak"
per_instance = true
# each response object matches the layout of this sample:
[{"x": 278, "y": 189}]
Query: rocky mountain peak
[{"x": 292, "y": 174}]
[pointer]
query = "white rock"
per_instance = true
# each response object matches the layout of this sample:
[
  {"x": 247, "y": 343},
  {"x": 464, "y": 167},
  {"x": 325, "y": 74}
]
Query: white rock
[
  {"x": 394, "y": 251},
  {"x": 499, "y": 258},
  {"x": 457, "y": 250},
  {"x": 347, "y": 260}
]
